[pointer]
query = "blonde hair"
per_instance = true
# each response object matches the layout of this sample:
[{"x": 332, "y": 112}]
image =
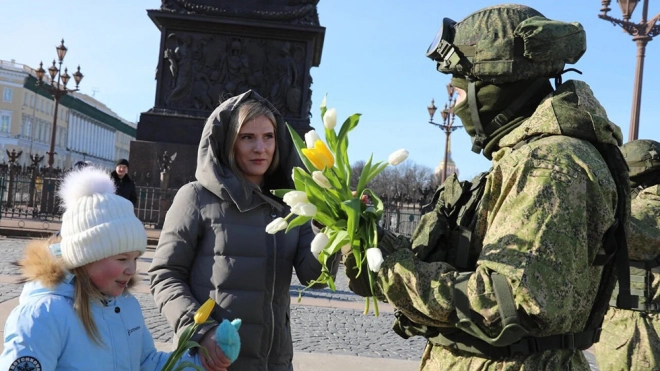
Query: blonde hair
[
  {"x": 85, "y": 292},
  {"x": 247, "y": 111},
  {"x": 39, "y": 264}
]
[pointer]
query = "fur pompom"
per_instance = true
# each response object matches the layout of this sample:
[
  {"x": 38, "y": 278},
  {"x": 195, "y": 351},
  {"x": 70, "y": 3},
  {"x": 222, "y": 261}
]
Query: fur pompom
[{"x": 84, "y": 182}]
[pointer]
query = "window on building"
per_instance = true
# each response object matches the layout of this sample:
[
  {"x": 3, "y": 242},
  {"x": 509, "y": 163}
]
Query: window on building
[
  {"x": 5, "y": 121},
  {"x": 7, "y": 95}
]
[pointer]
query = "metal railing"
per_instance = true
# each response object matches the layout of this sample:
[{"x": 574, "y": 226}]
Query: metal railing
[{"x": 25, "y": 197}]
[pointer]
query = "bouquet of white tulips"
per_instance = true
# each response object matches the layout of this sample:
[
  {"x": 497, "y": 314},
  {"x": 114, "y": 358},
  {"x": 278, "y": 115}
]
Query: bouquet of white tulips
[{"x": 323, "y": 193}]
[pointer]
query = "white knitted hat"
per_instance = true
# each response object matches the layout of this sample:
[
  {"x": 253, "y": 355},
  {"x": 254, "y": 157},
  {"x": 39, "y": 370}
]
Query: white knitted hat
[{"x": 96, "y": 223}]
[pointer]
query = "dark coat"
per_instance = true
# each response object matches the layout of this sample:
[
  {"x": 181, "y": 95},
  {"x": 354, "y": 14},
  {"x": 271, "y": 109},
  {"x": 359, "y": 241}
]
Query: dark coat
[
  {"x": 125, "y": 187},
  {"x": 214, "y": 244}
]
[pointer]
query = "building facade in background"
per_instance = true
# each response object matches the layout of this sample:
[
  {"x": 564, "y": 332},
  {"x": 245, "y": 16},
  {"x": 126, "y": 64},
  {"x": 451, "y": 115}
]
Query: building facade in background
[
  {"x": 87, "y": 130},
  {"x": 451, "y": 165}
]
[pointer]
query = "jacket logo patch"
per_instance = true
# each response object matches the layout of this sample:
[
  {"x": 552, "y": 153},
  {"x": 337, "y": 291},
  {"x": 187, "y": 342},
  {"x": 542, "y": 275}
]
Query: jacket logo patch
[
  {"x": 25, "y": 364},
  {"x": 130, "y": 331}
]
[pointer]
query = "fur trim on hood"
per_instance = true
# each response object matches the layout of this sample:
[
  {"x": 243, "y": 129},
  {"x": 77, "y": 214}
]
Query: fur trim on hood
[{"x": 39, "y": 264}]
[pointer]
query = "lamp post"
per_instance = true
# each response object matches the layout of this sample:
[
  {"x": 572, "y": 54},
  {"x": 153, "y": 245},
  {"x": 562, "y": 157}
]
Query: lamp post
[
  {"x": 447, "y": 123},
  {"x": 57, "y": 90},
  {"x": 642, "y": 33}
]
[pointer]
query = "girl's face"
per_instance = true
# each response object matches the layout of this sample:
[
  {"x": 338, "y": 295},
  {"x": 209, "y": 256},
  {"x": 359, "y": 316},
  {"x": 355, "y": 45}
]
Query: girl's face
[
  {"x": 254, "y": 148},
  {"x": 111, "y": 275}
]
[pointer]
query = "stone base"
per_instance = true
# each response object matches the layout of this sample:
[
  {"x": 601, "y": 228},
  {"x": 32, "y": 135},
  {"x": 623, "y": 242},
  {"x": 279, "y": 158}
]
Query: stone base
[
  {"x": 145, "y": 170},
  {"x": 169, "y": 128}
]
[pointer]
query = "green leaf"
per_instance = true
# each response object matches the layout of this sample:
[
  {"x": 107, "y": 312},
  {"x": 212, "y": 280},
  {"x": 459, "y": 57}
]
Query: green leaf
[
  {"x": 299, "y": 178},
  {"x": 349, "y": 124},
  {"x": 362, "y": 182},
  {"x": 187, "y": 364},
  {"x": 324, "y": 108},
  {"x": 300, "y": 144},
  {"x": 340, "y": 239},
  {"x": 298, "y": 220},
  {"x": 341, "y": 153},
  {"x": 331, "y": 138},
  {"x": 280, "y": 192},
  {"x": 376, "y": 169},
  {"x": 352, "y": 209},
  {"x": 376, "y": 202},
  {"x": 324, "y": 219}
]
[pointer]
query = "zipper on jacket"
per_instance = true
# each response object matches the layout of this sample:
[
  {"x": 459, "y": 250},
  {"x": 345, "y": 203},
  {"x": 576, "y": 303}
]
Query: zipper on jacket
[{"x": 273, "y": 215}]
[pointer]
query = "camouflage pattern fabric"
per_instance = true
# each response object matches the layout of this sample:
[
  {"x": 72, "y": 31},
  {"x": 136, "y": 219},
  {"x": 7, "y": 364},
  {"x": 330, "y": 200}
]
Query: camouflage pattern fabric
[
  {"x": 545, "y": 209},
  {"x": 631, "y": 339},
  {"x": 495, "y": 57}
]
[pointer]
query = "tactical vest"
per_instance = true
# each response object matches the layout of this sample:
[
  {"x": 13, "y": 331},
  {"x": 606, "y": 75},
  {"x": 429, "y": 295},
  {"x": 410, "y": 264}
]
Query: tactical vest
[{"x": 451, "y": 223}]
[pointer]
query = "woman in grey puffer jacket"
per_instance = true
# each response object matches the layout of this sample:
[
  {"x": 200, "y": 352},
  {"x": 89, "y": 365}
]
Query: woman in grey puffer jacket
[{"x": 214, "y": 243}]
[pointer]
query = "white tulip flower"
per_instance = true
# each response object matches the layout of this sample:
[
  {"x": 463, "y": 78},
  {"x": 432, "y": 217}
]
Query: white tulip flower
[
  {"x": 276, "y": 225},
  {"x": 304, "y": 209},
  {"x": 321, "y": 180},
  {"x": 398, "y": 157},
  {"x": 319, "y": 242},
  {"x": 310, "y": 138},
  {"x": 374, "y": 259},
  {"x": 330, "y": 119},
  {"x": 295, "y": 197}
]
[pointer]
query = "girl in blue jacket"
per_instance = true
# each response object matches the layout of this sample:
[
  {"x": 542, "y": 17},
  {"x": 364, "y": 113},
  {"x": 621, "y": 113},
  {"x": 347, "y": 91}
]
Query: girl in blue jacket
[{"x": 74, "y": 312}]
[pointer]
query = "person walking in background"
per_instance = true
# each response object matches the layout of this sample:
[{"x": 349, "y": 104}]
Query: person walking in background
[
  {"x": 214, "y": 241},
  {"x": 75, "y": 312},
  {"x": 631, "y": 337},
  {"x": 514, "y": 270},
  {"x": 123, "y": 183}
]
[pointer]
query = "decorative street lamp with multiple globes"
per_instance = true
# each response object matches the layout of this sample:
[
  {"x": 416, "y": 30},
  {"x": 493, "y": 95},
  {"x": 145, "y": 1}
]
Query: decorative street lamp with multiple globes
[
  {"x": 57, "y": 89},
  {"x": 447, "y": 123},
  {"x": 642, "y": 33}
]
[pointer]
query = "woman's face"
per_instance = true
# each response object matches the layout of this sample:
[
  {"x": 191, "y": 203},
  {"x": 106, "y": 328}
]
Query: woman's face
[
  {"x": 111, "y": 275},
  {"x": 254, "y": 148}
]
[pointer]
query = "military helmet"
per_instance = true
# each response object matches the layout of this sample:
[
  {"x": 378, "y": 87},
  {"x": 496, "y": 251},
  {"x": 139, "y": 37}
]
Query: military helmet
[
  {"x": 642, "y": 156},
  {"x": 506, "y": 43}
]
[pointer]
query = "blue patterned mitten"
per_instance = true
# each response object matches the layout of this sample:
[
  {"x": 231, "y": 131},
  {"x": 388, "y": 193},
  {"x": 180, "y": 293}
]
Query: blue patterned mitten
[{"x": 226, "y": 336}]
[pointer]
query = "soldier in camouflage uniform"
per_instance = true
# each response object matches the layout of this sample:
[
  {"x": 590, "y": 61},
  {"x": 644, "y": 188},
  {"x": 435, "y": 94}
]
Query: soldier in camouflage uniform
[
  {"x": 514, "y": 270},
  {"x": 631, "y": 338}
]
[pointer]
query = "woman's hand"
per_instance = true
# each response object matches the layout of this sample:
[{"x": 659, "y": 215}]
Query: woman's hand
[{"x": 216, "y": 361}]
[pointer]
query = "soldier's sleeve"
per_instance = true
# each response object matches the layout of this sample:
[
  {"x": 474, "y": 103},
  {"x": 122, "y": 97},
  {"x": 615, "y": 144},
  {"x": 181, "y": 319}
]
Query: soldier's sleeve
[
  {"x": 543, "y": 229},
  {"x": 644, "y": 233}
]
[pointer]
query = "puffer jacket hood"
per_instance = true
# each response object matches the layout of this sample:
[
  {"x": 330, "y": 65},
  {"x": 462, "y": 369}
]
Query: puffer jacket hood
[
  {"x": 571, "y": 110},
  {"x": 213, "y": 171}
]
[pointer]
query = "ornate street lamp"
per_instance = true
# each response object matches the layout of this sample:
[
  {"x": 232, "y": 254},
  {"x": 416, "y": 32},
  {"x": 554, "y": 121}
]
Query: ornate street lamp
[
  {"x": 57, "y": 89},
  {"x": 642, "y": 33},
  {"x": 447, "y": 123}
]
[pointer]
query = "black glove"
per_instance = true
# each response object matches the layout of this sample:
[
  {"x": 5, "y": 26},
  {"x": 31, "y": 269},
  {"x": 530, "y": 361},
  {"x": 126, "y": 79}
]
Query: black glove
[{"x": 359, "y": 285}]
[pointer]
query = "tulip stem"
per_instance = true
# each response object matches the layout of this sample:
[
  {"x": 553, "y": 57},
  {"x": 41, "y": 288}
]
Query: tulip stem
[
  {"x": 366, "y": 306},
  {"x": 375, "y": 305}
]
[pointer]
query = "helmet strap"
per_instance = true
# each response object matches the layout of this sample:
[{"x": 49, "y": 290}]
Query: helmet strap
[{"x": 479, "y": 139}]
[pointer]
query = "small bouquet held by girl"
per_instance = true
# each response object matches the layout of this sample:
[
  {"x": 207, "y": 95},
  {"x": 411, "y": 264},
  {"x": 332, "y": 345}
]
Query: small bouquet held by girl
[{"x": 323, "y": 193}]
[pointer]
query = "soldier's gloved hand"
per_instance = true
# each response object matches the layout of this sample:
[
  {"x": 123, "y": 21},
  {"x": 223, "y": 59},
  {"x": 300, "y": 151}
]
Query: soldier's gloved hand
[{"x": 360, "y": 284}]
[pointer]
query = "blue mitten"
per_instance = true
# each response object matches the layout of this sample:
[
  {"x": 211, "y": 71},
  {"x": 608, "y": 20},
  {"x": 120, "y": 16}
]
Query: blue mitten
[{"x": 226, "y": 336}]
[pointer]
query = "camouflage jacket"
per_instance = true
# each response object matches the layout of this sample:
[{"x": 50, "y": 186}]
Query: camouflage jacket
[
  {"x": 540, "y": 224},
  {"x": 644, "y": 237}
]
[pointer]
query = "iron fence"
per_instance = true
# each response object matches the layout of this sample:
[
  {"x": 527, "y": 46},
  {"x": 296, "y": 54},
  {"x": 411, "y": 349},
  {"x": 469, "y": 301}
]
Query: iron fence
[
  {"x": 25, "y": 197},
  {"x": 28, "y": 196}
]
